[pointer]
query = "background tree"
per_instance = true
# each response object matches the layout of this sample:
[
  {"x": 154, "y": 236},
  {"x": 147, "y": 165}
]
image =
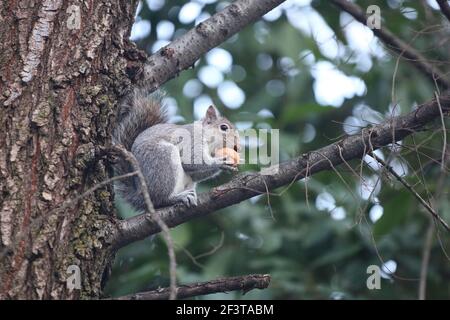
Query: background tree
[{"x": 307, "y": 68}]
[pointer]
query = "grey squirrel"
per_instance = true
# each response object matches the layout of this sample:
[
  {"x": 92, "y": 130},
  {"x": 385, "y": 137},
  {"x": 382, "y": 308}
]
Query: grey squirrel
[{"x": 172, "y": 158}]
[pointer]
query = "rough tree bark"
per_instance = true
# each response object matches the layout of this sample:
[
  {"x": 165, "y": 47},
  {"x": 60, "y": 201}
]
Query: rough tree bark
[{"x": 62, "y": 66}]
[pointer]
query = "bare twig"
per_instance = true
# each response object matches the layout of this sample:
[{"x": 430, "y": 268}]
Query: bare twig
[
  {"x": 247, "y": 185},
  {"x": 444, "y": 132},
  {"x": 429, "y": 235},
  {"x": 242, "y": 283},
  {"x": 424, "y": 203},
  {"x": 431, "y": 227},
  {"x": 427, "y": 10},
  {"x": 399, "y": 46},
  {"x": 445, "y": 8},
  {"x": 214, "y": 248},
  {"x": 151, "y": 215},
  {"x": 425, "y": 260},
  {"x": 205, "y": 254}
]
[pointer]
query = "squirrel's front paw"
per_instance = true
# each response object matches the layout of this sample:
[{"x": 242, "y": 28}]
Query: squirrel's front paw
[{"x": 188, "y": 198}]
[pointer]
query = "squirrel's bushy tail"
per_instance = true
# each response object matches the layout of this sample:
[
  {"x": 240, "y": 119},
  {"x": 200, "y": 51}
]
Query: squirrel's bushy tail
[{"x": 138, "y": 111}]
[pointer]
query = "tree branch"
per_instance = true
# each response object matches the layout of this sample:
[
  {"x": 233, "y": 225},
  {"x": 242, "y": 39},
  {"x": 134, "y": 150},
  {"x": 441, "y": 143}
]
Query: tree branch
[
  {"x": 399, "y": 46},
  {"x": 182, "y": 53},
  {"x": 247, "y": 185},
  {"x": 244, "y": 283},
  {"x": 445, "y": 8}
]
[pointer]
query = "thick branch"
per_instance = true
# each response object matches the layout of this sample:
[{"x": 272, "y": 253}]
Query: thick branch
[
  {"x": 445, "y": 8},
  {"x": 182, "y": 53},
  {"x": 399, "y": 46},
  {"x": 245, "y": 186},
  {"x": 243, "y": 283}
]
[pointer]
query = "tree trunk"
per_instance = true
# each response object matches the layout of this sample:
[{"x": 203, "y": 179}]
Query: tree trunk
[{"x": 63, "y": 65}]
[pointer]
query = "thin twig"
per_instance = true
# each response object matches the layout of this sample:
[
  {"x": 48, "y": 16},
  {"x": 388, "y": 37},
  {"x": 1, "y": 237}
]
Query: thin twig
[
  {"x": 399, "y": 46},
  {"x": 214, "y": 248},
  {"x": 190, "y": 256},
  {"x": 444, "y": 132},
  {"x": 153, "y": 215},
  {"x": 205, "y": 254},
  {"x": 242, "y": 283},
  {"x": 425, "y": 260},
  {"x": 269, "y": 206},
  {"x": 429, "y": 235},
  {"x": 425, "y": 204}
]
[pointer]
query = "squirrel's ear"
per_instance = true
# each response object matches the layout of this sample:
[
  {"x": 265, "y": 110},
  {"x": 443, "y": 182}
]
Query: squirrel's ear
[{"x": 211, "y": 115}]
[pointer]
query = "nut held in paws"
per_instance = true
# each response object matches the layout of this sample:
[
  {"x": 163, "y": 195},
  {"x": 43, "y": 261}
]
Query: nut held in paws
[{"x": 229, "y": 153}]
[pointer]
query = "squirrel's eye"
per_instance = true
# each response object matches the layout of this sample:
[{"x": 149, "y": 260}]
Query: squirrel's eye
[{"x": 224, "y": 127}]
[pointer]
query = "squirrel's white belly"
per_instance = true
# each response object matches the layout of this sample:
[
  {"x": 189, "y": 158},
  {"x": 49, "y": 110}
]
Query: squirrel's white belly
[{"x": 182, "y": 180}]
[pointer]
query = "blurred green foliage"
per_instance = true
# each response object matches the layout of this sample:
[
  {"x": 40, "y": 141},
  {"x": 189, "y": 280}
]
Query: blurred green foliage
[{"x": 311, "y": 253}]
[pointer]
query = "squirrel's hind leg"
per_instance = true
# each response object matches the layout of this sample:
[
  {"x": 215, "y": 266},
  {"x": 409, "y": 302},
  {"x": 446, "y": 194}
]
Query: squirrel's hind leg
[{"x": 184, "y": 188}]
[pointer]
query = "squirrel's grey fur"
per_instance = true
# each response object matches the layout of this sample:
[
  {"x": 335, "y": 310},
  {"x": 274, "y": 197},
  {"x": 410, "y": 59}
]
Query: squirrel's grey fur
[{"x": 172, "y": 157}]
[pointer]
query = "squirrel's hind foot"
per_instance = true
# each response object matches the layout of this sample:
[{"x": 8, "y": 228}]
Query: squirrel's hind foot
[{"x": 187, "y": 197}]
